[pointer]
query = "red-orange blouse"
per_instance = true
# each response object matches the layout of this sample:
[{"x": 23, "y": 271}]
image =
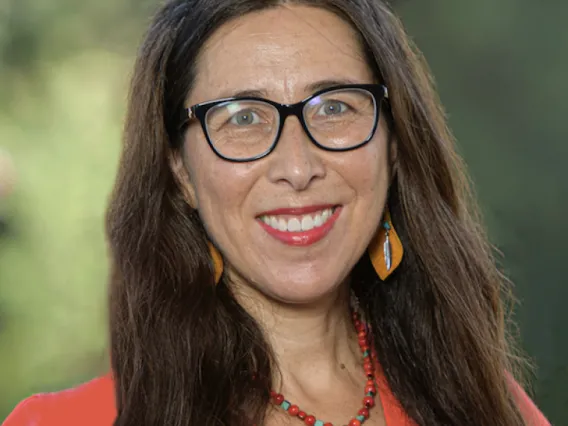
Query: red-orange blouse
[{"x": 93, "y": 404}]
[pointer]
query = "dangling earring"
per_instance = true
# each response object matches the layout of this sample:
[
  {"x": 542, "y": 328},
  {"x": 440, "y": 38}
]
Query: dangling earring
[
  {"x": 217, "y": 262},
  {"x": 385, "y": 249}
]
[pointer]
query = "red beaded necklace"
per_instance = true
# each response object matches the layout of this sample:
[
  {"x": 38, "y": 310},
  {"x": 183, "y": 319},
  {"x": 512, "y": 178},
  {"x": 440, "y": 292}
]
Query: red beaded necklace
[{"x": 370, "y": 386}]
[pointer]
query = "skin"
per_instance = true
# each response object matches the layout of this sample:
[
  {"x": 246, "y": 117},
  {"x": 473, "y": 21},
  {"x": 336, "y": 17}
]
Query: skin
[{"x": 299, "y": 294}]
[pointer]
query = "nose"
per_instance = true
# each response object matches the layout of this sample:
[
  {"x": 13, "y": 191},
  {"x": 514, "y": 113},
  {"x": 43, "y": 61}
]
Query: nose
[{"x": 295, "y": 160}]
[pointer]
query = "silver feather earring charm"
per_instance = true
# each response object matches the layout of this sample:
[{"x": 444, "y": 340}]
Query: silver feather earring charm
[{"x": 387, "y": 246}]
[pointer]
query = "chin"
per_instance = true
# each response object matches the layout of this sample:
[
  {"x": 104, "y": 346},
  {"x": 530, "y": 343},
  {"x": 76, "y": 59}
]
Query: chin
[{"x": 301, "y": 293}]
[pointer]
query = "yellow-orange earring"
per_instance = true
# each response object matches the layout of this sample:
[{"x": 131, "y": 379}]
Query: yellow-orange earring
[
  {"x": 385, "y": 249},
  {"x": 217, "y": 261}
]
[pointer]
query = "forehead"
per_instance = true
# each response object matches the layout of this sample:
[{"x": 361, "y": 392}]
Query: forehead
[{"x": 279, "y": 52}]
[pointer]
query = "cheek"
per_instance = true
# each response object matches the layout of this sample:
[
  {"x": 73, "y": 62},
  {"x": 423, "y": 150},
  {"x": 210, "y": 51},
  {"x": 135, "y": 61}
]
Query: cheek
[
  {"x": 219, "y": 186},
  {"x": 368, "y": 170}
]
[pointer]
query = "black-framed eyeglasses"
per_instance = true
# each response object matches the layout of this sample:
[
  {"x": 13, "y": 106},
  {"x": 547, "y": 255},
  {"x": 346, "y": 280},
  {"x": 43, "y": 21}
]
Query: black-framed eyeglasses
[{"x": 339, "y": 118}]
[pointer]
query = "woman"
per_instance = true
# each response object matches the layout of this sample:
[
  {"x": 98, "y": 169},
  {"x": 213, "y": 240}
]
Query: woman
[{"x": 291, "y": 235}]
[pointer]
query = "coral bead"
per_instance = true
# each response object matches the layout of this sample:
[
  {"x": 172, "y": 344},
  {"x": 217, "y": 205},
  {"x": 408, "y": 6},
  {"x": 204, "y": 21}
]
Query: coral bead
[
  {"x": 370, "y": 389},
  {"x": 293, "y": 410},
  {"x": 279, "y": 399},
  {"x": 327, "y": 424},
  {"x": 354, "y": 422},
  {"x": 364, "y": 412},
  {"x": 302, "y": 415},
  {"x": 369, "y": 401},
  {"x": 310, "y": 420}
]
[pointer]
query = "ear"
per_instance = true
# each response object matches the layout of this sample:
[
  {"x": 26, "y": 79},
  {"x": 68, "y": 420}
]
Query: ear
[{"x": 181, "y": 175}]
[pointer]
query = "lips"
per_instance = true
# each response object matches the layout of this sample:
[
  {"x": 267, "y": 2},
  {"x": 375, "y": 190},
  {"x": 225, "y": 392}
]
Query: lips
[{"x": 300, "y": 226}]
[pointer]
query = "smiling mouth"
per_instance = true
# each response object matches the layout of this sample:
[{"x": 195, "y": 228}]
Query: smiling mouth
[
  {"x": 298, "y": 223},
  {"x": 300, "y": 226}
]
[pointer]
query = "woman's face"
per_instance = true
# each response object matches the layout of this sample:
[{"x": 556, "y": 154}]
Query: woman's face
[{"x": 281, "y": 53}]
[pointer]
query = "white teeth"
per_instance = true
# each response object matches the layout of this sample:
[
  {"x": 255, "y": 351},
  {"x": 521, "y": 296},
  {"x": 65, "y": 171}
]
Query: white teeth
[
  {"x": 282, "y": 225},
  {"x": 294, "y": 225},
  {"x": 273, "y": 222},
  {"x": 318, "y": 221},
  {"x": 297, "y": 224},
  {"x": 307, "y": 223}
]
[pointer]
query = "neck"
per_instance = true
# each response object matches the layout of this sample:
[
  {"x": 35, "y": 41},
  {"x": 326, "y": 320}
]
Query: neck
[{"x": 314, "y": 344}]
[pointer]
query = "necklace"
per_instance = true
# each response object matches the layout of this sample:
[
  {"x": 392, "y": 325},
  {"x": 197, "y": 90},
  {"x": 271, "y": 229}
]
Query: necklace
[{"x": 370, "y": 386}]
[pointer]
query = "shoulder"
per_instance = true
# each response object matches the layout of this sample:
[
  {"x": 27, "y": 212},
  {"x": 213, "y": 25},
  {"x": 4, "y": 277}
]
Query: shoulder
[
  {"x": 90, "y": 404},
  {"x": 532, "y": 415}
]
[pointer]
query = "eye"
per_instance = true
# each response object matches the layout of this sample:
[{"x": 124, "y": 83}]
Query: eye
[
  {"x": 245, "y": 117},
  {"x": 332, "y": 107}
]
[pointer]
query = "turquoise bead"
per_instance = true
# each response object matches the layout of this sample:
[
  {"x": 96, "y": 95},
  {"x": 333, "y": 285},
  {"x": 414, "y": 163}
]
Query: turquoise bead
[
  {"x": 360, "y": 418},
  {"x": 285, "y": 405},
  {"x": 366, "y": 354},
  {"x": 370, "y": 394},
  {"x": 318, "y": 423}
]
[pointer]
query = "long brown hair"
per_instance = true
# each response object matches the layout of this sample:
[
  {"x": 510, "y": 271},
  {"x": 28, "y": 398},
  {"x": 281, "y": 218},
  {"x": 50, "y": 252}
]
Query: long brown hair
[{"x": 184, "y": 351}]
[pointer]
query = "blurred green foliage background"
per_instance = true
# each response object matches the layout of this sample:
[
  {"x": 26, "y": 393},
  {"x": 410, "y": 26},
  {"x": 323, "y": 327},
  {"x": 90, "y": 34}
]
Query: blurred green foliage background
[{"x": 502, "y": 71}]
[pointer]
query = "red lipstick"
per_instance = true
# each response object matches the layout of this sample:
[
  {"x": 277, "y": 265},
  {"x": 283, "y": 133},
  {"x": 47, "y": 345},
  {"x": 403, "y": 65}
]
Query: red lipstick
[{"x": 301, "y": 238}]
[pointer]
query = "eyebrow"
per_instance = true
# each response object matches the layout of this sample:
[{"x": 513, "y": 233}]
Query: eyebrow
[{"x": 310, "y": 88}]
